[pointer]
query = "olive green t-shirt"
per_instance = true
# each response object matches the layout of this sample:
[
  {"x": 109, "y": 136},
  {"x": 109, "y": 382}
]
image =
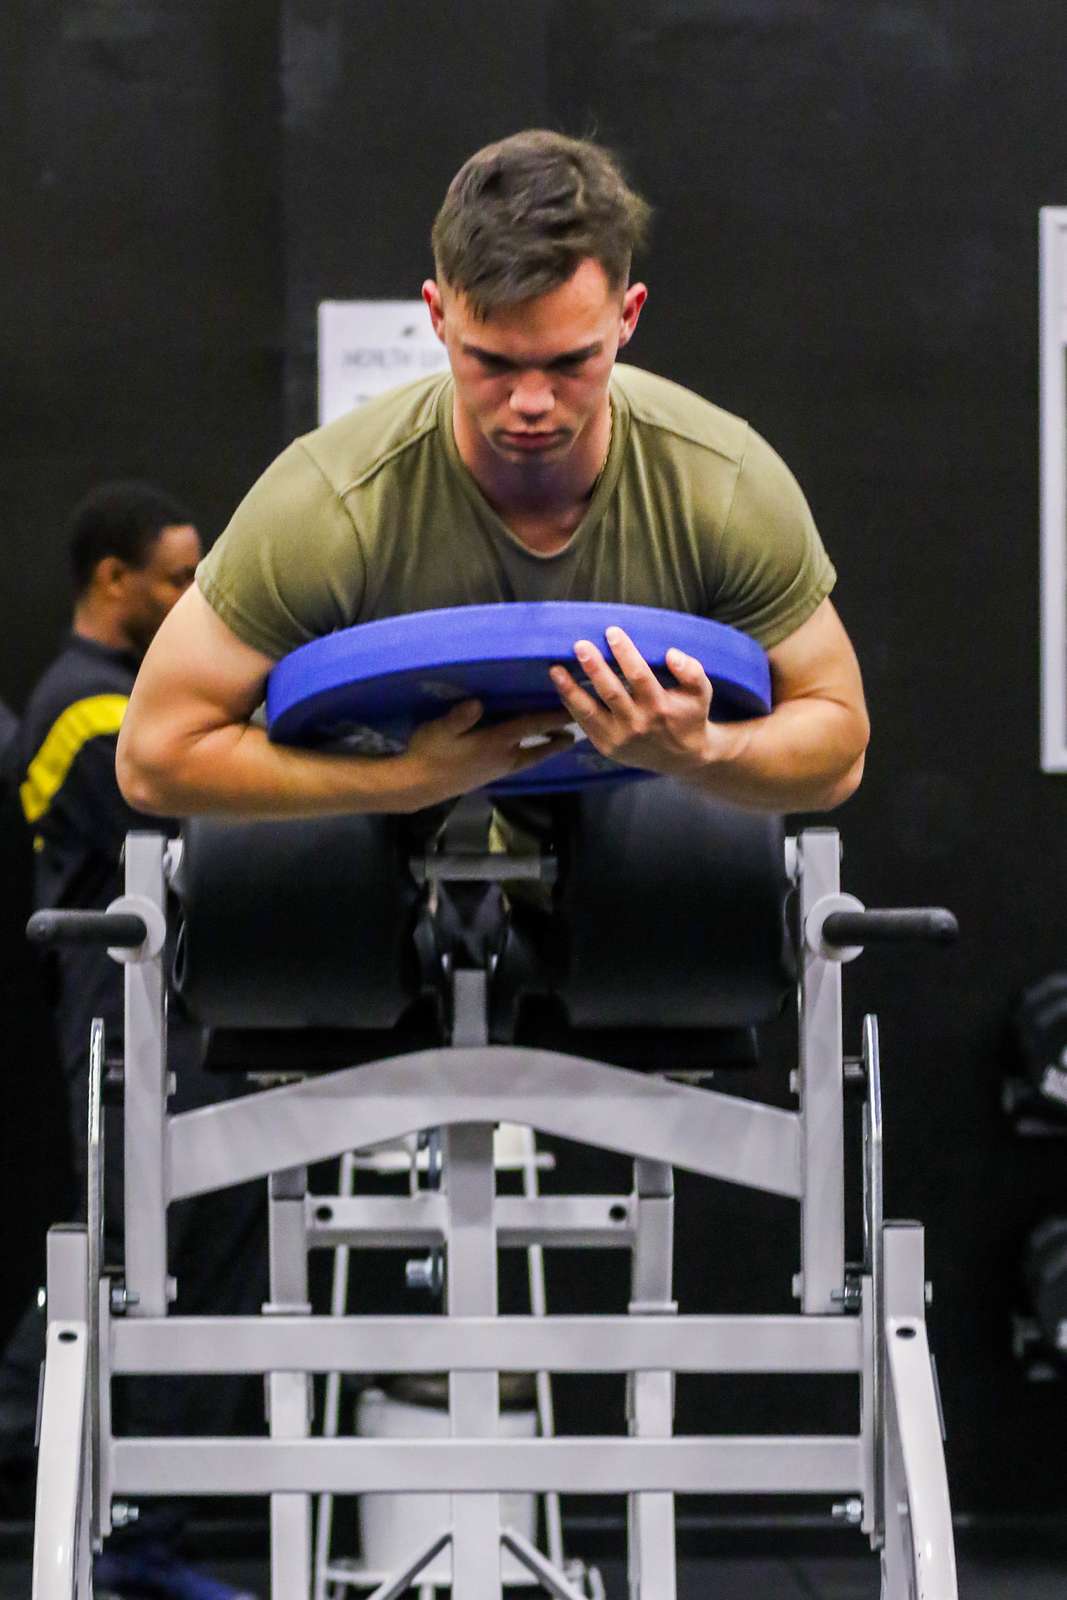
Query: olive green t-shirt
[{"x": 376, "y": 515}]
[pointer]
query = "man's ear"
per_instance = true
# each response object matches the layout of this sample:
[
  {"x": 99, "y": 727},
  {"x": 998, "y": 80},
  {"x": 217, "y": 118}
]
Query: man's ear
[
  {"x": 109, "y": 574},
  {"x": 632, "y": 301},
  {"x": 435, "y": 303}
]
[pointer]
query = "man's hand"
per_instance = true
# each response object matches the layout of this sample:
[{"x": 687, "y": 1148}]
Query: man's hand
[
  {"x": 639, "y": 721},
  {"x": 452, "y": 756},
  {"x": 807, "y": 755}
]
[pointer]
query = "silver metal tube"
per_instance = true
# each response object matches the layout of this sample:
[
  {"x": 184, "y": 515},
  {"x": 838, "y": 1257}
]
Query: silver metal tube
[
  {"x": 460, "y": 1467},
  {"x": 94, "y": 1214},
  {"x": 698, "y": 1130},
  {"x": 331, "y": 1408},
  {"x": 388, "y": 1222},
  {"x": 145, "y": 1097},
  {"x": 473, "y": 1396},
  {"x": 62, "y": 1465},
  {"x": 874, "y": 1226},
  {"x": 494, "y": 868},
  {"x": 822, "y": 1223},
  {"x": 488, "y": 1344},
  {"x": 535, "y": 1270}
]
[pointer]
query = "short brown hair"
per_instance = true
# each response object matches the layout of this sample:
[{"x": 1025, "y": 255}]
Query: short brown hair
[{"x": 521, "y": 214}]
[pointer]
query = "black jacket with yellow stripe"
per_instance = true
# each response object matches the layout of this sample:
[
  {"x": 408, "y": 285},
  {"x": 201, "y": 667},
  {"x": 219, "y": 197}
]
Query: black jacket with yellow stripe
[
  {"x": 69, "y": 793},
  {"x": 79, "y": 820}
]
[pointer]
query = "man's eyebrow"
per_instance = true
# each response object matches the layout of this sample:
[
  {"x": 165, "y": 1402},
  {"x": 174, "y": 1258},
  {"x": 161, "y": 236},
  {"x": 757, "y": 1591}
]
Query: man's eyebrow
[{"x": 568, "y": 357}]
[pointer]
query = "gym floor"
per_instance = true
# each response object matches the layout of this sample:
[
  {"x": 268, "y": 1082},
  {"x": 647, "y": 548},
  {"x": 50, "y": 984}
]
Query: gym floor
[{"x": 736, "y": 1578}]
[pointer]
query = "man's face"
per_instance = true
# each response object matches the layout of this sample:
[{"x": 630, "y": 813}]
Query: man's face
[
  {"x": 147, "y": 593},
  {"x": 531, "y": 377}
]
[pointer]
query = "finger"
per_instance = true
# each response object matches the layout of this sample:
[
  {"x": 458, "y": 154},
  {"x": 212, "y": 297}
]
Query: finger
[
  {"x": 461, "y": 717},
  {"x": 688, "y": 671},
  {"x": 582, "y": 706},
  {"x": 635, "y": 669},
  {"x": 612, "y": 693}
]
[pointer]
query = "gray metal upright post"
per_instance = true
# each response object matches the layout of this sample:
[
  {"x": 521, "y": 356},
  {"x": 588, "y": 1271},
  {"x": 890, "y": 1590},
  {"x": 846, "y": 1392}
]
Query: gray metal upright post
[
  {"x": 822, "y": 1223},
  {"x": 650, "y": 1395},
  {"x": 61, "y": 1546},
  {"x": 474, "y": 1397},
  {"x": 918, "y": 1557},
  {"x": 145, "y": 1097},
  {"x": 289, "y": 1393},
  {"x": 331, "y": 1403},
  {"x": 546, "y": 1411}
]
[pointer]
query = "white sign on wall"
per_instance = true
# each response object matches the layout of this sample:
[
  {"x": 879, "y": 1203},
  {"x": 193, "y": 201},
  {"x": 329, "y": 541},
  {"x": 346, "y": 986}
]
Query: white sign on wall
[
  {"x": 368, "y": 346},
  {"x": 1053, "y": 349}
]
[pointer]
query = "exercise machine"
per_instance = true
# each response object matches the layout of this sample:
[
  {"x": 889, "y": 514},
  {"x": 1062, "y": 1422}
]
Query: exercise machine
[{"x": 637, "y": 950}]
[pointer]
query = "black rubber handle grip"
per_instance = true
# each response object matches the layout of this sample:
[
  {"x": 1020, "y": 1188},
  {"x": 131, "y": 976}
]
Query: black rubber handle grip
[
  {"x": 121, "y": 929},
  {"x": 922, "y": 924}
]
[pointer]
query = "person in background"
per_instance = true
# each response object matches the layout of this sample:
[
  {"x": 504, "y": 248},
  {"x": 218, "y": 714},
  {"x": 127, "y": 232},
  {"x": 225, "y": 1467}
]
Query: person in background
[{"x": 133, "y": 552}]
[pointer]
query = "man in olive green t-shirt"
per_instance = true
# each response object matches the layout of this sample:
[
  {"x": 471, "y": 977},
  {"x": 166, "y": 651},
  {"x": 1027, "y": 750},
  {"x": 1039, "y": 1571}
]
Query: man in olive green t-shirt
[{"x": 537, "y": 469}]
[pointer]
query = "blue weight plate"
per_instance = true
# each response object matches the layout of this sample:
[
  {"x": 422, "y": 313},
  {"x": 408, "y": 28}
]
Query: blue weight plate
[{"x": 367, "y": 688}]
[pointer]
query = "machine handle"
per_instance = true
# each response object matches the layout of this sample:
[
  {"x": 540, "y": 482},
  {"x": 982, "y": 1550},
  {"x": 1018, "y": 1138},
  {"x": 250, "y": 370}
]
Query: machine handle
[
  {"x": 120, "y": 930},
  {"x": 928, "y": 924}
]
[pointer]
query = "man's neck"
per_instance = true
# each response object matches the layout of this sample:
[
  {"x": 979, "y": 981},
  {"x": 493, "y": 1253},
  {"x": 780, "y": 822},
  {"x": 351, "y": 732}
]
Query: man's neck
[{"x": 99, "y": 628}]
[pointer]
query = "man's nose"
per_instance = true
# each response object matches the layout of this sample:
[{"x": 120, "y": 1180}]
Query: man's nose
[{"x": 532, "y": 395}]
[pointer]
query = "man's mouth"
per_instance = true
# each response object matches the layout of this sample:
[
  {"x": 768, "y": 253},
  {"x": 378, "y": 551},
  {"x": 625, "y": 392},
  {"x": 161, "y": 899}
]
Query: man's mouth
[{"x": 530, "y": 440}]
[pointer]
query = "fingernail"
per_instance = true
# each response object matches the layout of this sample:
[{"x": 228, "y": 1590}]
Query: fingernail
[
  {"x": 583, "y": 650},
  {"x": 556, "y": 674},
  {"x": 613, "y": 635}
]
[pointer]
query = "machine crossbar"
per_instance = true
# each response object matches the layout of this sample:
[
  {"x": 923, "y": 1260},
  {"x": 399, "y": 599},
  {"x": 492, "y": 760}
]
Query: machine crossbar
[
  {"x": 700, "y": 1130},
  {"x": 487, "y": 1344},
  {"x": 780, "y": 1465},
  {"x": 601, "y": 1222}
]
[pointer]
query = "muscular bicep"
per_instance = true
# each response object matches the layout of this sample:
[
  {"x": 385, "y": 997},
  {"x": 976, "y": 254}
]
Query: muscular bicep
[
  {"x": 817, "y": 661},
  {"x": 197, "y": 677}
]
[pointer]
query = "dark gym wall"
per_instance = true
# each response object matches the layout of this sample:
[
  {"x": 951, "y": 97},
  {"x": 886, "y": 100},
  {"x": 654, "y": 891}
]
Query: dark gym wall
[
  {"x": 141, "y": 273},
  {"x": 141, "y": 279},
  {"x": 845, "y": 253}
]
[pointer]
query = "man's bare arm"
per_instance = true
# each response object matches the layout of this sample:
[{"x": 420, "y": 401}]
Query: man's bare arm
[
  {"x": 187, "y": 745},
  {"x": 806, "y": 756}
]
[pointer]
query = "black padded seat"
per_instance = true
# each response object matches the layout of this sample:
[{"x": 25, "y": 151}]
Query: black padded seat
[
  {"x": 667, "y": 942},
  {"x": 305, "y": 945},
  {"x": 308, "y": 945}
]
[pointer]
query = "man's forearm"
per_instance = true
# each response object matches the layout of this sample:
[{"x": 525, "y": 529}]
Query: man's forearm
[
  {"x": 200, "y": 765},
  {"x": 806, "y": 756},
  {"x": 236, "y": 770}
]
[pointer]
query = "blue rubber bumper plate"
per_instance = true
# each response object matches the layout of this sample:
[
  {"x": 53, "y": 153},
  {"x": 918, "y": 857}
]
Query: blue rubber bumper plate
[{"x": 365, "y": 689}]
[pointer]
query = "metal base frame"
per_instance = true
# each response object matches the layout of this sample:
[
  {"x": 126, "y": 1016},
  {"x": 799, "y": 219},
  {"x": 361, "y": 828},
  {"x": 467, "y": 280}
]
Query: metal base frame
[{"x": 869, "y": 1321}]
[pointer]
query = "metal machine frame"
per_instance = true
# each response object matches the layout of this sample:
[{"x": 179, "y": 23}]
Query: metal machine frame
[{"x": 870, "y": 1320}]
